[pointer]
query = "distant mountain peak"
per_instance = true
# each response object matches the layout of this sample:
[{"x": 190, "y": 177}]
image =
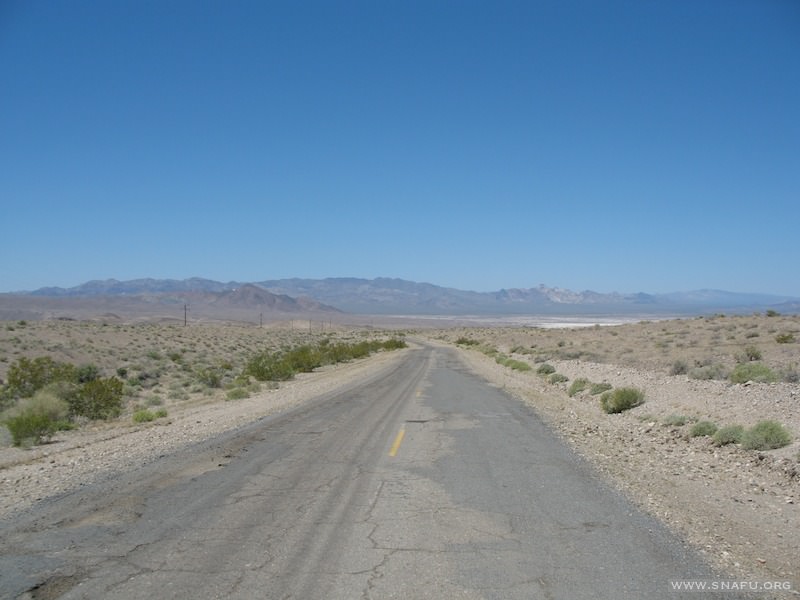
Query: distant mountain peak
[{"x": 392, "y": 295}]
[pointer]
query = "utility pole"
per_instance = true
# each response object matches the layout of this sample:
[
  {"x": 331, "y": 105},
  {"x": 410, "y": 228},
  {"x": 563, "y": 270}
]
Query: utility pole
[
  {"x": 261, "y": 321},
  {"x": 185, "y": 310}
]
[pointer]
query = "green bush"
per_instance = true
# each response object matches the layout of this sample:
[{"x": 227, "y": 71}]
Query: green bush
[
  {"x": 237, "y": 393},
  {"x": 465, "y": 341},
  {"x": 304, "y": 359},
  {"x": 703, "y": 429},
  {"x": 599, "y": 388},
  {"x": 30, "y": 428},
  {"x": 268, "y": 367},
  {"x": 34, "y": 420},
  {"x": 558, "y": 378},
  {"x": 730, "y": 434},
  {"x": 99, "y": 399},
  {"x": 143, "y": 416},
  {"x": 785, "y": 338},
  {"x": 577, "y": 386},
  {"x": 546, "y": 369},
  {"x": 394, "y": 344},
  {"x": 26, "y": 376},
  {"x": 282, "y": 366},
  {"x": 511, "y": 363},
  {"x": 757, "y": 372},
  {"x": 86, "y": 373},
  {"x": 621, "y": 399},
  {"x": 766, "y": 435}
]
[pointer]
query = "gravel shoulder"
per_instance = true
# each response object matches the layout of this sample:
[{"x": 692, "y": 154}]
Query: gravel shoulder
[{"x": 739, "y": 508}]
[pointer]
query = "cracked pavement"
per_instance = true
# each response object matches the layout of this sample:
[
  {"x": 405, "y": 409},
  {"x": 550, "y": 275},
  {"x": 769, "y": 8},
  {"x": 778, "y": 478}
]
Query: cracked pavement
[{"x": 480, "y": 501}]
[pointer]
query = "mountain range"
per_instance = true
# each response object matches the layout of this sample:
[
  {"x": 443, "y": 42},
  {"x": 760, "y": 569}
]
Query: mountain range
[{"x": 398, "y": 296}]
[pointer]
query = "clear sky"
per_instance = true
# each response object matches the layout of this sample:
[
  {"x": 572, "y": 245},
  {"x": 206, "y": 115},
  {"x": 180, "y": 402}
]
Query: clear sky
[{"x": 615, "y": 145}]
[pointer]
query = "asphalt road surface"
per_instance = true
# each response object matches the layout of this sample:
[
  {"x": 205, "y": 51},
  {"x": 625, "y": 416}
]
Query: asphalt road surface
[{"x": 421, "y": 482}]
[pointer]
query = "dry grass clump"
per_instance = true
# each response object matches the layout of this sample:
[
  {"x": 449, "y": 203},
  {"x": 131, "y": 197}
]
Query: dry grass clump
[{"x": 621, "y": 399}]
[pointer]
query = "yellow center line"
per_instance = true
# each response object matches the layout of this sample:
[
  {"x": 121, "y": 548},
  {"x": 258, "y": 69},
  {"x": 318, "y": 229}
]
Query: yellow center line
[{"x": 397, "y": 441}]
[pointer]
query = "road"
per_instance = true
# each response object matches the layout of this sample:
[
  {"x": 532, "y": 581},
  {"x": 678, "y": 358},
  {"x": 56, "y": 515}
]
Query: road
[{"x": 421, "y": 482}]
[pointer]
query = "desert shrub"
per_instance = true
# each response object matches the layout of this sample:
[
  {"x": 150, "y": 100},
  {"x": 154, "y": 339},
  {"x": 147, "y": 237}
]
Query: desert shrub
[
  {"x": 67, "y": 391},
  {"x": 599, "y": 388},
  {"x": 558, "y": 378},
  {"x": 577, "y": 386},
  {"x": 546, "y": 369},
  {"x": 488, "y": 350},
  {"x": 766, "y": 435},
  {"x": 785, "y": 338},
  {"x": 703, "y": 429},
  {"x": 282, "y": 366},
  {"x": 304, "y": 359},
  {"x": 237, "y": 393},
  {"x": 511, "y": 363},
  {"x": 752, "y": 353},
  {"x": 209, "y": 376},
  {"x": 676, "y": 420},
  {"x": 749, "y": 354},
  {"x": 773, "y": 313},
  {"x": 26, "y": 376},
  {"x": 34, "y": 420},
  {"x": 707, "y": 372},
  {"x": 754, "y": 371},
  {"x": 679, "y": 367},
  {"x": 337, "y": 353},
  {"x": 730, "y": 434},
  {"x": 268, "y": 367},
  {"x": 86, "y": 373},
  {"x": 143, "y": 416},
  {"x": 621, "y": 399},
  {"x": 361, "y": 349},
  {"x": 518, "y": 365},
  {"x": 29, "y": 428},
  {"x": 394, "y": 344},
  {"x": 99, "y": 399}
]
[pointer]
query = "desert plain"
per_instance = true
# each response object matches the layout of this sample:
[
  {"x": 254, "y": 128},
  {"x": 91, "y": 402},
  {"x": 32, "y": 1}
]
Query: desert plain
[{"x": 739, "y": 506}]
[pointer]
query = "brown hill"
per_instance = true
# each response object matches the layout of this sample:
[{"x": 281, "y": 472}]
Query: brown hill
[{"x": 247, "y": 302}]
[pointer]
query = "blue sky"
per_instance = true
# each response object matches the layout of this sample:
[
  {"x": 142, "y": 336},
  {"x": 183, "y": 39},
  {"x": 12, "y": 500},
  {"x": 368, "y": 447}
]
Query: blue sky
[{"x": 641, "y": 145}]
